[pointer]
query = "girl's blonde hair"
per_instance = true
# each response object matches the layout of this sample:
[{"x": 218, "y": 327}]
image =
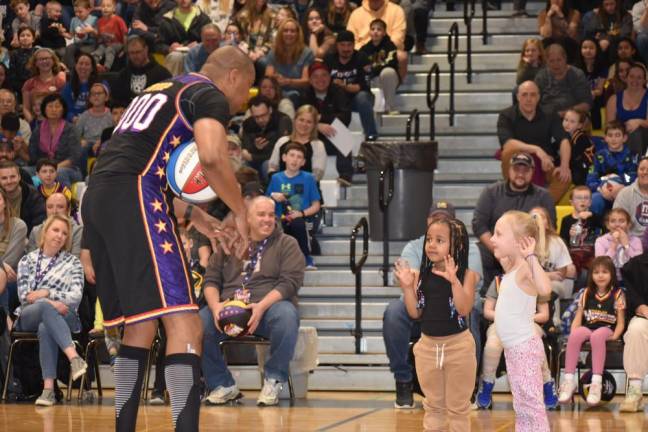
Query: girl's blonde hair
[
  {"x": 48, "y": 223},
  {"x": 306, "y": 109},
  {"x": 288, "y": 55},
  {"x": 31, "y": 63},
  {"x": 538, "y": 45},
  {"x": 525, "y": 225}
]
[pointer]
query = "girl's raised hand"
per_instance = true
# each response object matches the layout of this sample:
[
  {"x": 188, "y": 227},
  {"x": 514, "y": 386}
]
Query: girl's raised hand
[
  {"x": 527, "y": 246},
  {"x": 403, "y": 273},
  {"x": 449, "y": 273}
]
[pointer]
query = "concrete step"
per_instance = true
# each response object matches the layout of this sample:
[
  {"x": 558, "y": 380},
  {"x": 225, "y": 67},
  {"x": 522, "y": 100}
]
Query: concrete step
[
  {"x": 339, "y": 310},
  {"x": 495, "y": 43},
  {"x": 483, "y": 102},
  {"x": 349, "y": 218},
  {"x": 345, "y": 292},
  {"x": 353, "y": 359},
  {"x": 507, "y": 8},
  {"x": 482, "y": 124},
  {"x": 480, "y": 62},
  {"x": 343, "y": 260},
  {"x": 461, "y": 195},
  {"x": 482, "y": 80},
  {"x": 346, "y": 344},
  {"x": 341, "y": 247},
  {"x": 338, "y": 325},
  {"x": 496, "y": 25}
]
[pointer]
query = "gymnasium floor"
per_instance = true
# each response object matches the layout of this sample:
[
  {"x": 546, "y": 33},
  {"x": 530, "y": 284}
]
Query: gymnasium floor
[{"x": 322, "y": 411}]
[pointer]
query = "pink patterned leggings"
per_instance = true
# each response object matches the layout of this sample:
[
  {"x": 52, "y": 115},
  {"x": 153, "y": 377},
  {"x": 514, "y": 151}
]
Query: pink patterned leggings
[
  {"x": 597, "y": 339},
  {"x": 523, "y": 364}
]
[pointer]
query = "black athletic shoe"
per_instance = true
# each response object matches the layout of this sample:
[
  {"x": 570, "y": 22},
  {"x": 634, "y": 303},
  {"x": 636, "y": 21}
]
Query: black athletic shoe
[{"x": 404, "y": 395}]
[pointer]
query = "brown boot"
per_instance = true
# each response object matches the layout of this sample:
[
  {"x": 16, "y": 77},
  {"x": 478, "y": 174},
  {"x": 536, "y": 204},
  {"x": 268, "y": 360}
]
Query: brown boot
[{"x": 420, "y": 48}]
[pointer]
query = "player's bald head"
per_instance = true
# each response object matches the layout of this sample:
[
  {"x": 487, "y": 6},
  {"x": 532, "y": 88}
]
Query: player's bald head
[{"x": 226, "y": 59}]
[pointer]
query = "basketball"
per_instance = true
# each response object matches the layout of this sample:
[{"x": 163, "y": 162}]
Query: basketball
[
  {"x": 234, "y": 317},
  {"x": 185, "y": 175},
  {"x": 608, "y": 388}
]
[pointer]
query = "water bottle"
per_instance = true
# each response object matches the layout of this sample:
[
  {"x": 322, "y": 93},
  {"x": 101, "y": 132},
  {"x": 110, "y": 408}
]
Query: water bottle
[{"x": 574, "y": 240}]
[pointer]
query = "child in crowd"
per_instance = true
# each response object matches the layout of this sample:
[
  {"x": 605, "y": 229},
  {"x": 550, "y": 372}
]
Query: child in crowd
[
  {"x": 83, "y": 27},
  {"x": 95, "y": 119},
  {"x": 493, "y": 350},
  {"x": 580, "y": 229},
  {"x": 381, "y": 52},
  {"x": 10, "y": 133},
  {"x": 582, "y": 153},
  {"x": 24, "y": 18},
  {"x": 517, "y": 241},
  {"x": 53, "y": 31},
  {"x": 46, "y": 180},
  {"x": 111, "y": 36},
  {"x": 531, "y": 60},
  {"x": 618, "y": 243},
  {"x": 19, "y": 58},
  {"x": 614, "y": 168},
  {"x": 297, "y": 198},
  {"x": 555, "y": 260},
  {"x": 593, "y": 64},
  {"x": 600, "y": 317},
  {"x": 47, "y": 76},
  {"x": 441, "y": 296}
]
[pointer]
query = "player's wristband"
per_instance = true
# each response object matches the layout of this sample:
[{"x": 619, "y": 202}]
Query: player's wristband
[
  {"x": 188, "y": 212},
  {"x": 303, "y": 214},
  {"x": 530, "y": 255}
]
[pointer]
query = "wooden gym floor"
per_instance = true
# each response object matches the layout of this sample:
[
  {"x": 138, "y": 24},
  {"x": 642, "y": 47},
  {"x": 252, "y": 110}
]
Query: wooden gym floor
[{"x": 322, "y": 411}]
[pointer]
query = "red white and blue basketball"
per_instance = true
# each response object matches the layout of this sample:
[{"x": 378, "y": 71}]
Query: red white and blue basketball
[
  {"x": 234, "y": 317},
  {"x": 186, "y": 177}
]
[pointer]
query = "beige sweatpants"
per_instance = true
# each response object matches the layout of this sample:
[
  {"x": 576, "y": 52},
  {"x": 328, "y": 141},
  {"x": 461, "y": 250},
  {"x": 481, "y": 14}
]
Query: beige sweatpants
[
  {"x": 635, "y": 352},
  {"x": 446, "y": 368}
]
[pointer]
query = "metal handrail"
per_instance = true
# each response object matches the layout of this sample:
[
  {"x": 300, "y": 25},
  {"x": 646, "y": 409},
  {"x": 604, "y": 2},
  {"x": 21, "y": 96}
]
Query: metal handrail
[
  {"x": 416, "y": 117},
  {"x": 469, "y": 14},
  {"x": 485, "y": 22},
  {"x": 384, "y": 202},
  {"x": 453, "y": 50},
  {"x": 356, "y": 269},
  {"x": 431, "y": 100}
]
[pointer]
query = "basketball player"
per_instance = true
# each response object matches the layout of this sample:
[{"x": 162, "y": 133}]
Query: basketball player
[{"x": 130, "y": 226}]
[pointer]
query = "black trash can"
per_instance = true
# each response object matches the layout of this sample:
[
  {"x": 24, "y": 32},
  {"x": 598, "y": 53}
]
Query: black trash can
[{"x": 413, "y": 164}]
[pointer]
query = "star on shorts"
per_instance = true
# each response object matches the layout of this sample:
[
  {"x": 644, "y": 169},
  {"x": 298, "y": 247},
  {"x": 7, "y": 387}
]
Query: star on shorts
[
  {"x": 167, "y": 247},
  {"x": 157, "y": 206}
]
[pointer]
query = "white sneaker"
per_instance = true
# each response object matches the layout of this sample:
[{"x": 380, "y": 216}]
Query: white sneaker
[
  {"x": 633, "y": 401},
  {"x": 270, "y": 392},
  {"x": 567, "y": 389},
  {"x": 594, "y": 395},
  {"x": 222, "y": 395}
]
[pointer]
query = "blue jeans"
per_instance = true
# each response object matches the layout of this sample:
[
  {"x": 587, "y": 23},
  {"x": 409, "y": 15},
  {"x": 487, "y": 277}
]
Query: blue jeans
[
  {"x": 399, "y": 329},
  {"x": 599, "y": 204},
  {"x": 68, "y": 176},
  {"x": 362, "y": 103},
  {"x": 280, "y": 324},
  {"x": 54, "y": 332}
]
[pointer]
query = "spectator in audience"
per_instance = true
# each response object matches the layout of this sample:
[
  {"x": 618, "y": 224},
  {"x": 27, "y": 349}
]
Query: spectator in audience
[
  {"x": 19, "y": 58},
  {"x": 515, "y": 193},
  {"x": 24, "y": 18},
  {"x": 320, "y": 39},
  {"x": 218, "y": 11},
  {"x": 289, "y": 60},
  {"x": 50, "y": 287},
  {"x": 272, "y": 296},
  {"x": 8, "y": 105},
  {"x": 593, "y": 64},
  {"x": 255, "y": 21},
  {"x": 304, "y": 133},
  {"x": 416, "y": 13},
  {"x": 331, "y": 103},
  {"x": 77, "y": 90},
  {"x": 582, "y": 149},
  {"x": 84, "y": 31},
  {"x": 147, "y": 18},
  {"x": 630, "y": 107},
  {"x": 525, "y": 128},
  {"x": 180, "y": 31},
  {"x": 338, "y": 13},
  {"x": 296, "y": 198},
  {"x": 350, "y": 72},
  {"x": 10, "y": 134},
  {"x": 559, "y": 23},
  {"x": 46, "y": 77},
  {"x": 614, "y": 167},
  {"x": 139, "y": 73},
  {"x": 269, "y": 87},
  {"x": 93, "y": 121},
  {"x": 627, "y": 50},
  {"x": 47, "y": 184},
  {"x": 57, "y": 204},
  {"x": 234, "y": 36},
  {"x": 531, "y": 61},
  {"x": 55, "y": 138},
  {"x": 210, "y": 37},
  {"x": 619, "y": 80},
  {"x": 381, "y": 52},
  {"x": 608, "y": 24},
  {"x": 562, "y": 86},
  {"x": 634, "y": 199},
  {"x": 13, "y": 235},
  {"x": 618, "y": 243},
  {"x": 281, "y": 15},
  {"x": 53, "y": 30},
  {"x": 260, "y": 133},
  {"x": 392, "y": 14},
  {"x": 640, "y": 25},
  {"x": 111, "y": 35},
  {"x": 399, "y": 329},
  {"x": 635, "y": 351}
]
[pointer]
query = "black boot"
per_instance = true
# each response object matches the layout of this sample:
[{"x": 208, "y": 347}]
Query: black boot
[{"x": 404, "y": 395}]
